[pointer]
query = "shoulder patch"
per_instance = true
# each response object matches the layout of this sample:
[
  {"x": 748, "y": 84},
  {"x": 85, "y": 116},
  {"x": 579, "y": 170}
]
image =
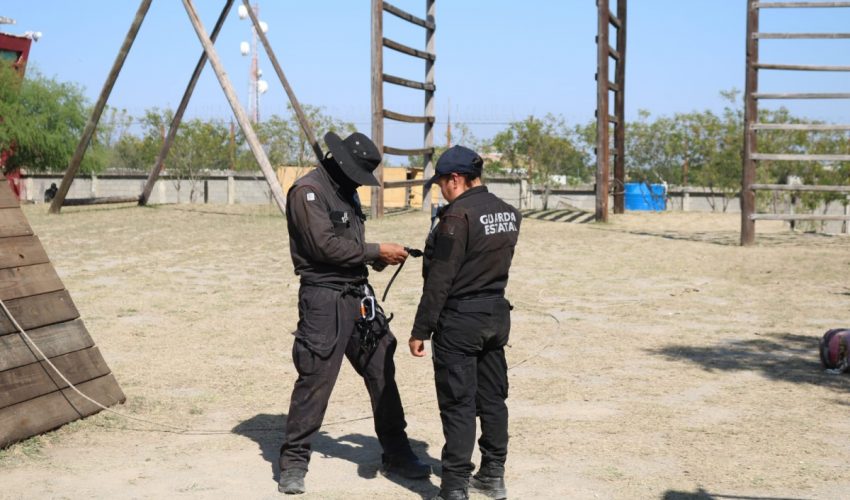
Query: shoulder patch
[{"x": 311, "y": 196}]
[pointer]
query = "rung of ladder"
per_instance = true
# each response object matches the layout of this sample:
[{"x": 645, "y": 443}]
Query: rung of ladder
[
  {"x": 392, "y": 9},
  {"x": 392, "y": 44},
  {"x": 799, "y": 126},
  {"x": 614, "y": 20},
  {"x": 798, "y": 157},
  {"x": 803, "y": 95},
  {"x": 800, "y": 36},
  {"x": 392, "y": 115},
  {"x": 775, "y": 5},
  {"x": 801, "y": 67},
  {"x": 408, "y": 83},
  {"x": 800, "y": 187},
  {"x": 613, "y": 53},
  {"x": 407, "y": 152}
]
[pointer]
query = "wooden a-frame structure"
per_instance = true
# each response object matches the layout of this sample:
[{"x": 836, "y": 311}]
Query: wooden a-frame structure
[{"x": 209, "y": 53}]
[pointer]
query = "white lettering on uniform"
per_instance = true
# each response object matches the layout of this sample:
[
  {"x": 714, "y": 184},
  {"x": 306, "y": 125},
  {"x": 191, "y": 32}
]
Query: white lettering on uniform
[{"x": 499, "y": 222}]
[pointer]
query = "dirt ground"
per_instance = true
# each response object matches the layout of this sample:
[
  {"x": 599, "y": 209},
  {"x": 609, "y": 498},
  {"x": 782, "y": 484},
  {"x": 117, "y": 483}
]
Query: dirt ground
[{"x": 651, "y": 357}]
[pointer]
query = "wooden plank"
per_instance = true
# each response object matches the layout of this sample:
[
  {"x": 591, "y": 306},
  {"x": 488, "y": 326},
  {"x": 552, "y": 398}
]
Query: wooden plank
[
  {"x": 801, "y": 36},
  {"x": 7, "y": 197},
  {"x": 800, "y": 187},
  {"x": 748, "y": 176},
  {"x": 52, "y": 410},
  {"x": 803, "y": 95},
  {"x": 392, "y": 9},
  {"x": 430, "y": 103},
  {"x": 13, "y": 223},
  {"x": 377, "y": 103},
  {"x": 407, "y": 152},
  {"x": 408, "y": 83},
  {"x": 802, "y": 67},
  {"x": 603, "y": 158},
  {"x": 53, "y": 340},
  {"x": 407, "y": 183},
  {"x": 21, "y": 251},
  {"x": 799, "y": 126},
  {"x": 392, "y": 44},
  {"x": 37, "y": 379},
  {"x": 799, "y": 217},
  {"x": 103, "y": 200},
  {"x": 39, "y": 310},
  {"x": 392, "y": 115},
  {"x": 799, "y": 157},
  {"x": 620, "y": 112},
  {"x": 785, "y": 5},
  {"x": 23, "y": 281}
]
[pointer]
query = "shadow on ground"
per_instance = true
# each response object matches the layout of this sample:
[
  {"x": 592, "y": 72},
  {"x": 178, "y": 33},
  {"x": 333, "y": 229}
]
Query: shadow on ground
[
  {"x": 787, "y": 357},
  {"x": 364, "y": 451},
  {"x": 733, "y": 238},
  {"x": 701, "y": 494}
]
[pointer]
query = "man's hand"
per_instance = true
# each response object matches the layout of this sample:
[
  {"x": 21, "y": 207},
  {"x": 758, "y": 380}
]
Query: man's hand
[
  {"x": 417, "y": 347},
  {"x": 392, "y": 253}
]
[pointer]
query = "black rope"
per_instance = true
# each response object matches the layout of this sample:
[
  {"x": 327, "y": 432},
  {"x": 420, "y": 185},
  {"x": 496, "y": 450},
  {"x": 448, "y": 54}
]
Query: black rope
[{"x": 413, "y": 252}]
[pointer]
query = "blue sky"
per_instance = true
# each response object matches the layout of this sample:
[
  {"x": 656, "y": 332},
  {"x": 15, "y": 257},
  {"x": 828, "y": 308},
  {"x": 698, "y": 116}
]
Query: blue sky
[{"x": 497, "y": 61}]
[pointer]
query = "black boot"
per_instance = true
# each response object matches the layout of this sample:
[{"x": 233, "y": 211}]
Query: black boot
[
  {"x": 452, "y": 495},
  {"x": 292, "y": 481},
  {"x": 491, "y": 486},
  {"x": 406, "y": 465}
]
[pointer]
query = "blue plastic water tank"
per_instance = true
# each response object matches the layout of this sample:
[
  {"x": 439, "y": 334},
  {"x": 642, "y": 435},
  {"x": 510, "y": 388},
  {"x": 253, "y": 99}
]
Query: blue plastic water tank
[{"x": 639, "y": 196}]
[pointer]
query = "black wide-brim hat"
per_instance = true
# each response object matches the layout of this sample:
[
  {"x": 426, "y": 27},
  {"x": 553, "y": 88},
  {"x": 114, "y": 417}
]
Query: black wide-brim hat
[{"x": 357, "y": 156}]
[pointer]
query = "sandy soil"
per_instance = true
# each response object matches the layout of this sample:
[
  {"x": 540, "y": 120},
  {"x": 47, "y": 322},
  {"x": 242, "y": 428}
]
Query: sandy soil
[{"x": 650, "y": 358}]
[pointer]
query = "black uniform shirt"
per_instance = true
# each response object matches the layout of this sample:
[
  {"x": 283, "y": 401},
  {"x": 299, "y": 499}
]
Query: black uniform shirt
[
  {"x": 327, "y": 237},
  {"x": 468, "y": 254}
]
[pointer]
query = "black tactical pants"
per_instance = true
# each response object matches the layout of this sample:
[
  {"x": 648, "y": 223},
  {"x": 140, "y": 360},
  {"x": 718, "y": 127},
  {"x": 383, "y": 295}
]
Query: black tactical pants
[
  {"x": 472, "y": 379},
  {"x": 326, "y": 332}
]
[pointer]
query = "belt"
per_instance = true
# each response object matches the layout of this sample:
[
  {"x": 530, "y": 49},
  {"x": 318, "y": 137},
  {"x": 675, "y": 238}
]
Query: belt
[
  {"x": 475, "y": 304},
  {"x": 355, "y": 288}
]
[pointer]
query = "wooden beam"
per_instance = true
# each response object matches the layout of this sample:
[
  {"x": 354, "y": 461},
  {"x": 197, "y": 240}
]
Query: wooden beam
[
  {"x": 620, "y": 112},
  {"x": 24, "y": 281},
  {"x": 800, "y": 187},
  {"x": 181, "y": 108},
  {"x": 613, "y": 53},
  {"x": 7, "y": 197},
  {"x": 405, "y": 184},
  {"x": 13, "y": 223},
  {"x": 614, "y": 20},
  {"x": 799, "y": 126},
  {"x": 602, "y": 130},
  {"x": 377, "y": 198},
  {"x": 103, "y": 200},
  {"x": 21, "y": 251},
  {"x": 408, "y": 83},
  {"x": 428, "y": 157},
  {"x": 799, "y": 157},
  {"x": 404, "y": 49},
  {"x": 799, "y": 217},
  {"x": 407, "y": 152},
  {"x": 613, "y": 87},
  {"x": 779, "y": 5},
  {"x": 801, "y": 67},
  {"x": 803, "y": 95},
  {"x": 748, "y": 175},
  {"x": 37, "y": 379},
  {"x": 52, "y": 410},
  {"x": 407, "y": 118},
  {"x": 306, "y": 127},
  {"x": 91, "y": 124},
  {"x": 54, "y": 340},
  {"x": 392, "y": 9},
  {"x": 801, "y": 36},
  {"x": 241, "y": 116},
  {"x": 39, "y": 310}
]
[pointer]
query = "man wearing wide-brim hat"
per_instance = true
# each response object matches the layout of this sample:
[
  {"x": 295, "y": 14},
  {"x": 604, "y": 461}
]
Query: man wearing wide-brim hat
[{"x": 327, "y": 242}]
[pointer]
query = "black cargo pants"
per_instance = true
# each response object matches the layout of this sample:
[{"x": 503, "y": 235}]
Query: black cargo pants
[
  {"x": 326, "y": 332},
  {"x": 472, "y": 379}
]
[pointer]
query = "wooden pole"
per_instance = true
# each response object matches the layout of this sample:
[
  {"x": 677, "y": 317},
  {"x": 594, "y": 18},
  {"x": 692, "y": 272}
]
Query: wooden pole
[
  {"x": 620, "y": 113},
  {"x": 602, "y": 152},
  {"x": 181, "y": 108},
  {"x": 428, "y": 159},
  {"x": 748, "y": 197},
  {"x": 91, "y": 125},
  {"x": 378, "y": 102},
  {"x": 299, "y": 113},
  {"x": 241, "y": 116}
]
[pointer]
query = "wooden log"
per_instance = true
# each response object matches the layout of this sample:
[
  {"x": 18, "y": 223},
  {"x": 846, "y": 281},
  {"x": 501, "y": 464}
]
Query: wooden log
[
  {"x": 801, "y": 36},
  {"x": 603, "y": 157},
  {"x": 802, "y": 67},
  {"x": 392, "y": 9},
  {"x": 52, "y": 410},
  {"x": 800, "y": 187},
  {"x": 91, "y": 124},
  {"x": 620, "y": 112},
  {"x": 407, "y": 152},
  {"x": 778, "y": 5},
  {"x": 799, "y": 126},
  {"x": 613, "y": 87},
  {"x": 21, "y": 251},
  {"x": 377, "y": 102},
  {"x": 13, "y": 223},
  {"x": 392, "y": 44},
  {"x": 803, "y": 95},
  {"x": 37, "y": 379},
  {"x": 404, "y": 184},
  {"x": 748, "y": 199},
  {"x": 392, "y": 115},
  {"x": 24, "y": 281},
  {"x": 430, "y": 103},
  {"x": 799, "y": 157},
  {"x": 408, "y": 83},
  {"x": 7, "y": 197},
  {"x": 613, "y": 53},
  {"x": 799, "y": 217},
  {"x": 53, "y": 340},
  {"x": 614, "y": 20},
  {"x": 101, "y": 200},
  {"x": 39, "y": 310}
]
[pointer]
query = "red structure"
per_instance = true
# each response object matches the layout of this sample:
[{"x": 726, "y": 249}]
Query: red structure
[{"x": 14, "y": 50}]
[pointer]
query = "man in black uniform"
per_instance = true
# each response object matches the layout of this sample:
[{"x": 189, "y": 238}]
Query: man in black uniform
[
  {"x": 330, "y": 253},
  {"x": 467, "y": 258}
]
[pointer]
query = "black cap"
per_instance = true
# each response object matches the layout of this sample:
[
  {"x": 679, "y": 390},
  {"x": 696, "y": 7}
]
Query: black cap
[{"x": 457, "y": 159}]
